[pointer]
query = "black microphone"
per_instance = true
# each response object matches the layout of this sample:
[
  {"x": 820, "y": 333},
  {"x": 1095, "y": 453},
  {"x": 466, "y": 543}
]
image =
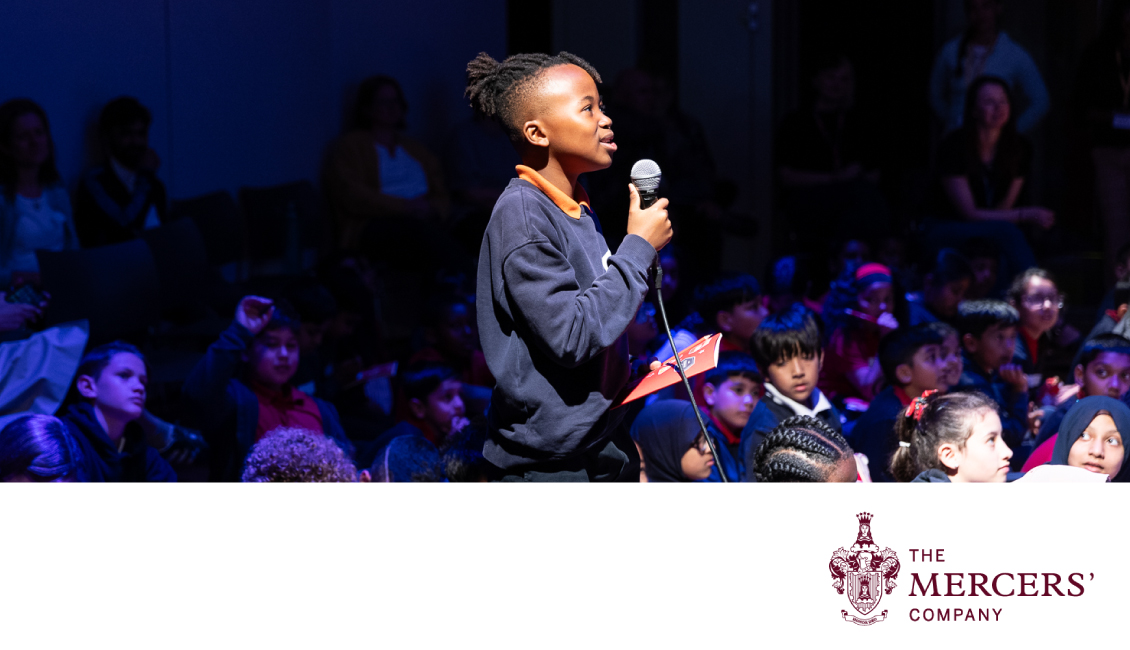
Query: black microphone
[{"x": 646, "y": 176}]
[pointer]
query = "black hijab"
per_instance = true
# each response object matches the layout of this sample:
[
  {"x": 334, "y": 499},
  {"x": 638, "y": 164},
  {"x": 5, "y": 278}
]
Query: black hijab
[
  {"x": 665, "y": 431},
  {"x": 1080, "y": 417}
]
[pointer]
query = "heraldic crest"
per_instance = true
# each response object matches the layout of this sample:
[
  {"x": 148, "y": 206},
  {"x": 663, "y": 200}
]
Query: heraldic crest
[{"x": 864, "y": 572}]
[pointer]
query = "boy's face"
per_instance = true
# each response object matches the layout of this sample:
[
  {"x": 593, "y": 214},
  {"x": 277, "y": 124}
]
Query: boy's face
[
  {"x": 923, "y": 372},
  {"x": 950, "y": 363},
  {"x": 732, "y": 401},
  {"x": 943, "y": 299},
  {"x": 120, "y": 388},
  {"x": 1108, "y": 374},
  {"x": 796, "y": 377},
  {"x": 442, "y": 406},
  {"x": 571, "y": 122},
  {"x": 993, "y": 348},
  {"x": 273, "y": 357},
  {"x": 741, "y": 321}
]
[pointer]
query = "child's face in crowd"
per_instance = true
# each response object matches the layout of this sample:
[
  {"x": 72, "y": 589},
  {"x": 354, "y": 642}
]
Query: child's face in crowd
[
  {"x": 576, "y": 130},
  {"x": 993, "y": 348},
  {"x": 698, "y": 461},
  {"x": 1039, "y": 307},
  {"x": 1108, "y": 374},
  {"x": 273, "y": 357},
  {"x": 741, "y": 321},
  {"x": 950, "y": 363},
  {"x": 733, "y": 401},
  {"x": 1099, "y": 449},
  {"x": 442, "y": 407},
  {"x": 943, "y": 299},
  {"x": 923, "y": 371},
  {"x": 984, "y": 277},
  {"x": 878, "y": 298},
  {"x": 120, "y": 388},
  {"x": 796, "y": 378},
  {"x": 984, "y": 459}
]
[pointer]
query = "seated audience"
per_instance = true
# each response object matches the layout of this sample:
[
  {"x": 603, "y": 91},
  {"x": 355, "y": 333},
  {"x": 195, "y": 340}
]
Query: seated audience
[
  {"x": 955, "y": 438},
  {"x": 316, "y": 310},
  {"x": 988, "y": 339},
  {"x": 789, "y": 282},
  {"x": 985, "y": 258},
  {"x": 35, "y": 209},
  {"x": 804, "y": 449},
  {"x": 1038, "y": 302},
  {"x": 38, "y": 449},
  {"x": 1091, "y": 437},
  {"x": 944, "y": 287},
  {"x": 111, "y": 382},
  {"x": 951, "y": 362},
  {"x": 859, "y": 311},
  {"x": 433, "y": 404},
  {"x": 730, "y": 393},
  {"x": 408, "y": 458},
  {"x": 450, "y": 337},
  {"x": 731, "y": 304},
  {"x": 911, "y": 360},
  {"x": 672, "y": 446},
  {"x": 292, "y": 455},
  {"x": 480, "y": 162},
  {"x": 1111, "y": 317},
  {"x": 463, "y": 460},
  {"x": 242, "y": 387},
  {"x": 118, "y": 200},
  {"x": 787, "y": 348},
  {"x": 982, "y": 169},
  {"x": 375, "y": 173},
  {"x": 1102, "y": 368}
]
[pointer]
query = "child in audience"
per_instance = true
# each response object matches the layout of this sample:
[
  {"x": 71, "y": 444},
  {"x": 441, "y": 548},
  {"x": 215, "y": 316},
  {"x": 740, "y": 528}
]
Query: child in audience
[
  {"x": 111, "y": 383},
  {"x": 911, "y": 361},
  {"x": 988, "y": 339},
  {"x": 1113, "y": 316},
  {"x": 292, "y": 455},
  {"x": 1103, "y": 368},
  {"x": 462, "y": 453},
  {"x": 984, "y": 257},
  {"x": 673, "y": 447},
  {"x": 955, "y": 438},
  {"x": 38, "y": 449},
  {"x": 407, "y": 458},
  {"x": 950, "y": 359},
  {"x": 731, "y": 305},
  {"x": 450, "y": 338},
  {"x": 805, "y": 449},
  {"x": 787, "y": 349},
  {"x": 431, "y": 393},
  {"x": 944, "y": 287},
  {"x": 1091, "y": 437},
  {"x": 1038, "y": 302},
  {"x": 859, "y": 309},
  {"x": 730, "y": 393},
  {"x": 242, "y": 388},
  {"x": 553, "y": 301}
]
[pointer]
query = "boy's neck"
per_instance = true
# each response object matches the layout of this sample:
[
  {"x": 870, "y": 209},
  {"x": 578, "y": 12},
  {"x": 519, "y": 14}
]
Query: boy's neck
[
  {"x": 114, "y": 427},
  {"x": 551, "y": 170}
]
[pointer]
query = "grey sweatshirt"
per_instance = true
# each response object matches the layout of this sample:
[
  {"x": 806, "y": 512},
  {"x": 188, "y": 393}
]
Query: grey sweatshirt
[{"x": 553, "y": 304}]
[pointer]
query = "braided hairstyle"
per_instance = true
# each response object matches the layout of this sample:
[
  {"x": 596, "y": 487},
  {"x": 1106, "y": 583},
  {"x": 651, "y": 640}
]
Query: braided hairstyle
[
  {"x": 944, "y": 419},
  {"x": 802, "y": 449},
  {"x": 500, "y": 90}
]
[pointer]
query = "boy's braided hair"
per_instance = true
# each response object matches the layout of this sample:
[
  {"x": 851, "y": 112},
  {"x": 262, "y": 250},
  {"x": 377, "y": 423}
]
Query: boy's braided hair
[
  {"x": 498, "y": 90},
  {"x": 802, "y": 449}
]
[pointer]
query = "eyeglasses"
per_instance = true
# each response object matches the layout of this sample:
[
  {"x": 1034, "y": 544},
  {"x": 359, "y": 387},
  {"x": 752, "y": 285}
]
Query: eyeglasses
[
  {"x": 1035, "y": 302},
  {"x": 701, "y": 444}
]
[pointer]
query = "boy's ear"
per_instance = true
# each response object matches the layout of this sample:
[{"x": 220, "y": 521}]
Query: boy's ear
[
  {"x": 970, "y": 343},
  {"x": 418, "y": 408},
  {"x": 86, "y": 386},
  {"x": 708, "y": 393},
  {"x": 904, "y": 373},
  {"x": 820, "y": 360},
  {"x": 949, "y": 456},
  {"x": 725, "y": 320},
  {"x": 534, "y": 134}
]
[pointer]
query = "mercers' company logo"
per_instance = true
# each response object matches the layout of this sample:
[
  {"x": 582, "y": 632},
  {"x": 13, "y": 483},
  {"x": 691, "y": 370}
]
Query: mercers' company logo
[{"x": 865, "y": 572}]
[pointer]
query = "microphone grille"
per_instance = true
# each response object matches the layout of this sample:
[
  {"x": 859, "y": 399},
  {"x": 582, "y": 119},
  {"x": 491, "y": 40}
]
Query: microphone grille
[{"x": 645, "y": 174}]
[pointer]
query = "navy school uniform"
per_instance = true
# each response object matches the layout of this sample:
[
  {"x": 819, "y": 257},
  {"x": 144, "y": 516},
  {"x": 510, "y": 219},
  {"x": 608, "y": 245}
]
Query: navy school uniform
[{"x": 103, "y": 462}]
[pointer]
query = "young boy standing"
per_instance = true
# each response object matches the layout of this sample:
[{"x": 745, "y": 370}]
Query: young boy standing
[
  {"x": 787, "y": 348},
  {"x": 912, "y": 363},
  {"x": 554, "y": 302},
  {"x": 111, "y": 380}
]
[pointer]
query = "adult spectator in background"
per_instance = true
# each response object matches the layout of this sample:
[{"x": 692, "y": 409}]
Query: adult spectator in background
[
  {"x": 1102, "y": 108},
  {"x": 375, "y": 174},
  {"x": 983, "y": 49},
  {"x": 982, "y": 168},
  {"x": 827, "y": 164},
  {"x": 35, "y": 210},
  {"x": 118, "y": 200}
]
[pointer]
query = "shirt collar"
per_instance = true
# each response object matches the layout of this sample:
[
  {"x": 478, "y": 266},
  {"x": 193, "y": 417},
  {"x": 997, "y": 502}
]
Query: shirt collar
[
  {"x": 569, "y": 205},
  {"x": 822, "y": 403},
  {"x": 285, "y": 396},
  {"x": 900, "y": 393}
]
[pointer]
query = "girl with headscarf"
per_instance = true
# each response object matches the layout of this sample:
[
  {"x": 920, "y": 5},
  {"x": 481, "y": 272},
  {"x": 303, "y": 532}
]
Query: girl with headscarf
[
  {"x": 1091, "y": 437},
  {"x": 673, "y": 447}
]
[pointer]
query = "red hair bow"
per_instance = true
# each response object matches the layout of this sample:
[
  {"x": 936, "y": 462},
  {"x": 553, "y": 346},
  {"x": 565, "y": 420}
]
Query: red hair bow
[{"x": 916, "y": 406}]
